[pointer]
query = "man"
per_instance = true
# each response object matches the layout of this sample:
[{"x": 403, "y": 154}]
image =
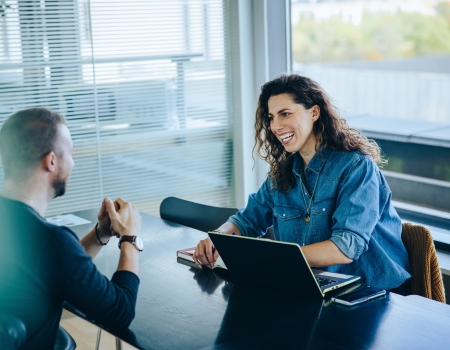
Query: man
[{"x": 43, "y": 265}]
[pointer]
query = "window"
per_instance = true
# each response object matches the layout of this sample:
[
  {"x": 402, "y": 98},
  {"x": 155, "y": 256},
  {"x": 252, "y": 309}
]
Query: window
[
  {"x": 386, "y": 64},
  {"x": 143, "y": 86},
  {"x": 386, "y": 58}
]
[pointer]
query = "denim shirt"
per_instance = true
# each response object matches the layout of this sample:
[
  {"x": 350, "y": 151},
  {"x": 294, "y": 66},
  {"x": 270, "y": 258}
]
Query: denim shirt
[{"x": 351, "y": 207}]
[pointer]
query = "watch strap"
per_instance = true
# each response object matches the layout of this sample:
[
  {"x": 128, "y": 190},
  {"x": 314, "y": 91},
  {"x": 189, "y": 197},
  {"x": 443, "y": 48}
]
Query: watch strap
[{"x": 130, "y": 239}]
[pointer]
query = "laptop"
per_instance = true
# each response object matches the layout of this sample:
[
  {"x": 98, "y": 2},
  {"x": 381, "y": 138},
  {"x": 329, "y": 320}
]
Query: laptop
[{"x": 275, "y": 265}]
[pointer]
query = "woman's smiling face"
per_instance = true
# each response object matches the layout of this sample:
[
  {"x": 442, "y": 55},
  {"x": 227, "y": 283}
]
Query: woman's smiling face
[{"x": 292, "y": 124}]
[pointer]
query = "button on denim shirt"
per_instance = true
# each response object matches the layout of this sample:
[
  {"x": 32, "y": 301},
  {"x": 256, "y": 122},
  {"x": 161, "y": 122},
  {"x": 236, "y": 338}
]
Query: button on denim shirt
[{"x": 351, "y": 207}]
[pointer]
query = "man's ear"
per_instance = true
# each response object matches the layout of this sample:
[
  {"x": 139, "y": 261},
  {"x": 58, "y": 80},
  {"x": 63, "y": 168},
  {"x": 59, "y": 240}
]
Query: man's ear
[{"x": 50, "y": 162}]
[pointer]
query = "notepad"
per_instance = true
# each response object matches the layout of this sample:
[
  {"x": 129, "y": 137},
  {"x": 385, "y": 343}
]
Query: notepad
[{"x": 187, "y": 255}]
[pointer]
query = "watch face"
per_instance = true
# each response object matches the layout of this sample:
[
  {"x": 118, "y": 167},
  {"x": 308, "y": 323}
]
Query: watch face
[{"x": 139, "y": 243}]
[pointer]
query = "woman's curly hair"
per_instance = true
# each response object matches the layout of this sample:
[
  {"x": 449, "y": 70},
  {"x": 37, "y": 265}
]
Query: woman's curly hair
[{"x": 330, "y": 129}]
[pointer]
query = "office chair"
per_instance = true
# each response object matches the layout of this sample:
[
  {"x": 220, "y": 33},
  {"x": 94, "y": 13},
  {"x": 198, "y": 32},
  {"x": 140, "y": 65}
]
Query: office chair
[
  {"x": 64, "y": 341},
  {"x": 198, "y": 216},
  {"x": 426, "y": 275},
  {"x": 13, "y": 334}
]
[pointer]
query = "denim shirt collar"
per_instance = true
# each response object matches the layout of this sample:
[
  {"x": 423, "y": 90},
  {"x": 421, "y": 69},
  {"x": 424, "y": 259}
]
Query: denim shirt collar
[{"x": 316, "y": 163}]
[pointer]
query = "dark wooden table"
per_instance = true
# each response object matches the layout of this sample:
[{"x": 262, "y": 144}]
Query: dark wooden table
[{"x": 180, "y": 307}]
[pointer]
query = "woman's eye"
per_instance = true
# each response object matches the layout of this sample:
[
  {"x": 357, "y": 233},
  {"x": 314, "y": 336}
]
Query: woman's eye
[{"x": 285, "y": 114}]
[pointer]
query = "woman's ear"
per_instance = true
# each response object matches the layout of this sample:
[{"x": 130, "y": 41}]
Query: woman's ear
[
  {"x": 315, "y": 112},
  {"x": 50, "y": 162}
]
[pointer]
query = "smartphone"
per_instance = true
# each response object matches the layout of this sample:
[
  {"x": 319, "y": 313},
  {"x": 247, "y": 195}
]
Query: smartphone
[{"x": 359, "y": 296}]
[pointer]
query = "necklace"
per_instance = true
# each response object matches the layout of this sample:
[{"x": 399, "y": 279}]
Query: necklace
[
  {"x": 308, "y": 207},
  {"x": 19, "y": 197}
]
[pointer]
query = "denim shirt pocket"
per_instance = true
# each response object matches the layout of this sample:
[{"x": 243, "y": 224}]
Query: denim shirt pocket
[
  {"x": 288, "y": 222},
  {"x": 321, "y": 219}
]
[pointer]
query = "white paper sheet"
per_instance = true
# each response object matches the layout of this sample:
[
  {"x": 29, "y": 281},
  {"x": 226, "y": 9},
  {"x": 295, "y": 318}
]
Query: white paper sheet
[{"x": 67, "y": 220}]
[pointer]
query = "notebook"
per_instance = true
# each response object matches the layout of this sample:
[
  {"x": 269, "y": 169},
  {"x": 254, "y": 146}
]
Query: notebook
[
  {"x": 276, "y": 265},
  {"x": 186, "y": 257}
]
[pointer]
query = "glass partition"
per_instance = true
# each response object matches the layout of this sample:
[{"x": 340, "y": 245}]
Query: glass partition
[
  {"x": 386, "y": 64},
  {"x": 143, "y": 85}
]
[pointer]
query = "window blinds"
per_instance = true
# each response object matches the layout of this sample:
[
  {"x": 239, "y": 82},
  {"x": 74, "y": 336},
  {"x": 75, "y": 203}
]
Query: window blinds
[{"x": 144, "y": 88}]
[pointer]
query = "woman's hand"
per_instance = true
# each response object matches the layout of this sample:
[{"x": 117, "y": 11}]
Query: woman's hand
[{"x": 205, "y": 253}]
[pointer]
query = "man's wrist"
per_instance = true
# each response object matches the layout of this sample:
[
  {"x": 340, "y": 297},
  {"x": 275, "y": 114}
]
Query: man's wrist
[
  {"x": 104, "y": 232},
  {"x": 136, "y": 241},
  {"x": 102, "y": 238},
  {"x": 128, "y": 247},
  {"x": 126, "y": 232}
]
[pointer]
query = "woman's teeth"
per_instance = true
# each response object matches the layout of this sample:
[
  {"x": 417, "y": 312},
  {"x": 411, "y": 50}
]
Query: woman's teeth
[{"x": 286, "y": 138}]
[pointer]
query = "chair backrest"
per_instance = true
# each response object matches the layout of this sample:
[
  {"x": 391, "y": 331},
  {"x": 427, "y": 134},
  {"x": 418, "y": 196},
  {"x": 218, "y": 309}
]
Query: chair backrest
[
  {"x": 426, "y": 278},
  {"x": 199, "y": 216},
  {"x": 64, "y": 341},
  {"x": 12, "y": 332}
]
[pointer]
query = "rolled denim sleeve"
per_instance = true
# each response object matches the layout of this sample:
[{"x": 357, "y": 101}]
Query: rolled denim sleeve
[
  {"x": 256, "y": 217},
  {"x": 349, "y": 244},
  {"x": 358, "y": 207},
  {"x": 235, "y": 220}
]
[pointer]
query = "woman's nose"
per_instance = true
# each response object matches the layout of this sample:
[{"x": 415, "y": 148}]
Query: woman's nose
[{"x": 276, "y": 124}]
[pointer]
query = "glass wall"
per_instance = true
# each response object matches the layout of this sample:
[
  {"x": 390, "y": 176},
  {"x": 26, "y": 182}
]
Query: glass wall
[
  {"x": 386, "y": 64},
  {"x": 383, "y": 57},
  {"x": 143, "y": 85}
]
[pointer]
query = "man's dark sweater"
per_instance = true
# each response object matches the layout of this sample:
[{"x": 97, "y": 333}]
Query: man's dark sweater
[{"x": 43, "y": 265}]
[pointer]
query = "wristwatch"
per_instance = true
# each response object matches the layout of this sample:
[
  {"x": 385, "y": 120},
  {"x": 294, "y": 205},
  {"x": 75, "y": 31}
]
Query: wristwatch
[{"x": 137, "y": 241}]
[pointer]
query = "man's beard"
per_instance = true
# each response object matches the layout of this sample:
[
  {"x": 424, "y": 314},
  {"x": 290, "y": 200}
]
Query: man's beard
[{"x": 59, "y": 186}]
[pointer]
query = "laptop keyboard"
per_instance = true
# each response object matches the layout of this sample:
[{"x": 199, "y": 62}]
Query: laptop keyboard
[{"x": 323, "y": 282}]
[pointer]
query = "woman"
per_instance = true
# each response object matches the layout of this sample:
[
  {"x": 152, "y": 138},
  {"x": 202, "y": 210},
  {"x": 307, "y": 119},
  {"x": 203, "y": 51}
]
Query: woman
[{"x": 324, "y": 189}]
